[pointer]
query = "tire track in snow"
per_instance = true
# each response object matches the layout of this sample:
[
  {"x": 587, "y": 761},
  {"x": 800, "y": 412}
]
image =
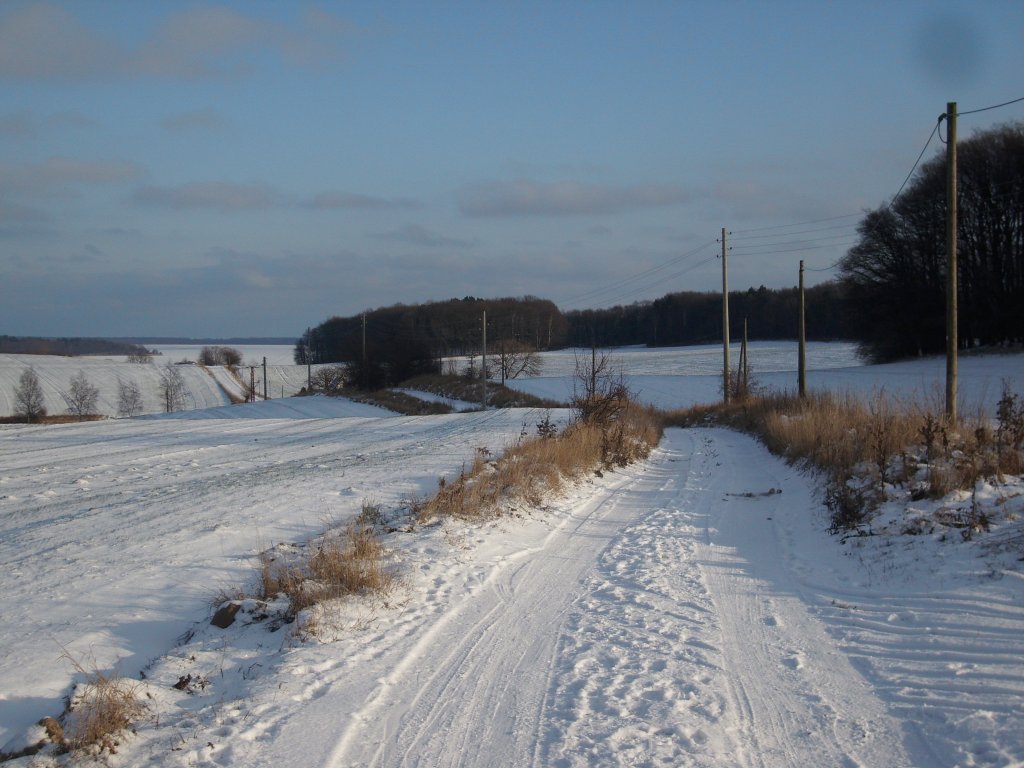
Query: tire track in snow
[
  {"x": 792, "y": 689},
  {"x": 648, "y": 632},
  {"x": 473, "y": 687}
]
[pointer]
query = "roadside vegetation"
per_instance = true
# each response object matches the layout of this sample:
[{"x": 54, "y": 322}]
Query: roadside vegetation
[
  {"x": 869, "y": 451},
  {"x": 607, "y": 430}
]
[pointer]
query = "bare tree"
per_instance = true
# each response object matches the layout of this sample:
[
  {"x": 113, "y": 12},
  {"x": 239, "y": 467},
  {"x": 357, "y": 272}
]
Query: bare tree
[
  {"x": 599, "y": 391},
  {"x": 82, "y": 396},
  {"x": 329, "y": 379},
  {"x": 172, "y": 388},
  {"x": 140, "y": 357},
  {"x": 517, "y": 358},
  {"x": 226, "y": 356},
  {"x": 28, "y": 397},
  {"x": 129, "y": 399}
]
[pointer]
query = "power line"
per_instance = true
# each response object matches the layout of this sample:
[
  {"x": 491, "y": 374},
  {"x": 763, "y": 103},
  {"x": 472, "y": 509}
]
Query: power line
[
  {"x": 638, "y": 276},
  {"x": 799, "y": 223},
  {"x": 986, "y": 109},
  {"x": 791, "y": 234},
  {"x": 916, "y": 162}
]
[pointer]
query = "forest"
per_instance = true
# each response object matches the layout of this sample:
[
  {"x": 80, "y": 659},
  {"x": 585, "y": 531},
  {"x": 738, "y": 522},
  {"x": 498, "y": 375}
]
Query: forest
[{"x": 894, "y": 278}]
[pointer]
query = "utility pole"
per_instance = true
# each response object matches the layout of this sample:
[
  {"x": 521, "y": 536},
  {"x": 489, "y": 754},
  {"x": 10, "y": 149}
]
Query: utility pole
[
  {"x": 252, "y": 383},
  {"x": 483, "y": 366},
  {"x": 951, "y": 267},
  {"x": 265, "y": 379},
  {"x": 725, "y": 319},
  {"x": 802, "y": 355}
]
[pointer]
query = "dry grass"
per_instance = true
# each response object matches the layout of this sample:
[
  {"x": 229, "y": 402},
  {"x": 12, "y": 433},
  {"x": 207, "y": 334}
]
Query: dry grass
[
  {"x": 99, "y": 712},
  {"x": 884, "y": 439},
  {"x": 540, "y": 465},
  {"x": 337, "y": 565}
]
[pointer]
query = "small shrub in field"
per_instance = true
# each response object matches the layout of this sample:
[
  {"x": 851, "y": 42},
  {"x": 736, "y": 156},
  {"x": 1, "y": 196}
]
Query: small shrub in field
[{"x": 339, "y": 564}]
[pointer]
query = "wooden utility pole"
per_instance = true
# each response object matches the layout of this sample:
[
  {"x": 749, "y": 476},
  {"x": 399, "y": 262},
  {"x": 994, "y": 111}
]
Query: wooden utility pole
[
  {"x": 483, "y": 366},
  {"x": 725, "y": 319},
  {"x": 951, "y": 267},
  {"x": 801, "y": 378},
  {"x": 265, "y": 379},
  {"x": 252, "y": 383}
]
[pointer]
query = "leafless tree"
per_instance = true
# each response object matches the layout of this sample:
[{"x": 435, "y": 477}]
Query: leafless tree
[
  {"x": 81, "y": 397},
  {"x": 172, "y": 388},
  {"x": 329, "y": 379},
  {"x": 226, "y": 356},
  {"x": 599, "y": 391},
  {"x": 517, "y": 358},
  {"x": 28, "y": 397},
  {"x": 129, "y": 399},
  {"x": 140, "y": 357}
]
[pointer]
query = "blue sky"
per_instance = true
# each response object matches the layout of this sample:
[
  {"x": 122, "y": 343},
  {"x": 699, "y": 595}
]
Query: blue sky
[{"x": 252, "y": 168}]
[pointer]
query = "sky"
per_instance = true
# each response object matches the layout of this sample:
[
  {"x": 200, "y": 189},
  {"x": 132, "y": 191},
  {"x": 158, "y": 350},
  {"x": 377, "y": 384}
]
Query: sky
[{"x": 254, "y": 168}]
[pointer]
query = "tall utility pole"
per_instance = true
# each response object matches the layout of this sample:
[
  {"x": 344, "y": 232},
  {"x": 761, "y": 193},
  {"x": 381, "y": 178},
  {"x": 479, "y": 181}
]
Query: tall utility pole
[
  {"x": 725, "y": 319},
  {"x": 951, "y": 268},
  {"x": 265, "y": 379},
  {"x": 483, "y": 366},
  {"x": 801, "y": 378}
]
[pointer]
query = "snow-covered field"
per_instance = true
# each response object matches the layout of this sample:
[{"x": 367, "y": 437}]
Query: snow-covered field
[
  {"x": 668, "y": 378},
  {"x": 690, "y": 610}
]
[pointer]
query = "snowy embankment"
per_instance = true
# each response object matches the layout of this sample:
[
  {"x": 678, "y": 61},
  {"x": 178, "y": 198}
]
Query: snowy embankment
[{"x": 116, "y": 535}]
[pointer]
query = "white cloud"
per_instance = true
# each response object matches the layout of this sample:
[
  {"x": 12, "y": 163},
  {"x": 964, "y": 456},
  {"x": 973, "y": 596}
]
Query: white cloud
[
  {"x": 214, "y": 195},
  {"x": 43, "y": 41},
  {"x": 347, "y": 200},
  {"x": 57, "y": 173},
  {"x": 530, "y": 198},
  {"x": 194, "y": 120},
  {"x": 416, "y": 234}
]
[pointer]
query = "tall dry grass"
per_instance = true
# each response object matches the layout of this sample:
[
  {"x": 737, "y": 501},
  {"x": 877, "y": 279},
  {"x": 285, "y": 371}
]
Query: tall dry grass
[
  {"x": 889, "y": 440},
  {"x": 541, "y": 465},
  {"x": 351, "y": 561},
  {"x": 99, "y": 712}
]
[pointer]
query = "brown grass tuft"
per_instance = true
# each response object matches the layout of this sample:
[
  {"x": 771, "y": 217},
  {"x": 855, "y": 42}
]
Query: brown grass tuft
[
  {"x": 338, "y": 564},
  {"x": 99, "y": 712}
]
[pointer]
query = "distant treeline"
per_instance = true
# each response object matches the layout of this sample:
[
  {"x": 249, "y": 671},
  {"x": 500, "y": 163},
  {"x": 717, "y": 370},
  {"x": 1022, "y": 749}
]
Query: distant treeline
[
  {"x": 696, "y": 318},
  {"x": 405, "y": 340},
  {"x": 27, "y": 345},
  {"x": 416, "y": 334},
  {"x": 388, "y": 345}
]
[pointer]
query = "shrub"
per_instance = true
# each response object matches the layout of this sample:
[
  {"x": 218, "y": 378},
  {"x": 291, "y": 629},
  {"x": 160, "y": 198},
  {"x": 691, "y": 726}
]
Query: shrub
[{"x": 99, "y": 711}]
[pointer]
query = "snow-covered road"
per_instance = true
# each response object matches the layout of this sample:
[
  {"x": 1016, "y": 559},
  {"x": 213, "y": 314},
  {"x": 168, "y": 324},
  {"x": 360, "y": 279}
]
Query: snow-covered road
[{"x": 658, "y": 624}]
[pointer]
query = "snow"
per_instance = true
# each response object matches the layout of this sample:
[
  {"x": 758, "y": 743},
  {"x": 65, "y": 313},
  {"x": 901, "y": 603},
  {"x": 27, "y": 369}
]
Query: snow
[
  {"x": 685, "y": 376},
  {"x": 688, "y": 610}
]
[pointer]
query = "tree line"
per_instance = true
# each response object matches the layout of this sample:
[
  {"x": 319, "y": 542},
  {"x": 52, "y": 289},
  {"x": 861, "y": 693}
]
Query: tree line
[
  {"x": 894, "y": 278},
  {"x": 71, "y": 347},
  {"x": 390, "y": 344},
  {"x": 692, "y": 317}
]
